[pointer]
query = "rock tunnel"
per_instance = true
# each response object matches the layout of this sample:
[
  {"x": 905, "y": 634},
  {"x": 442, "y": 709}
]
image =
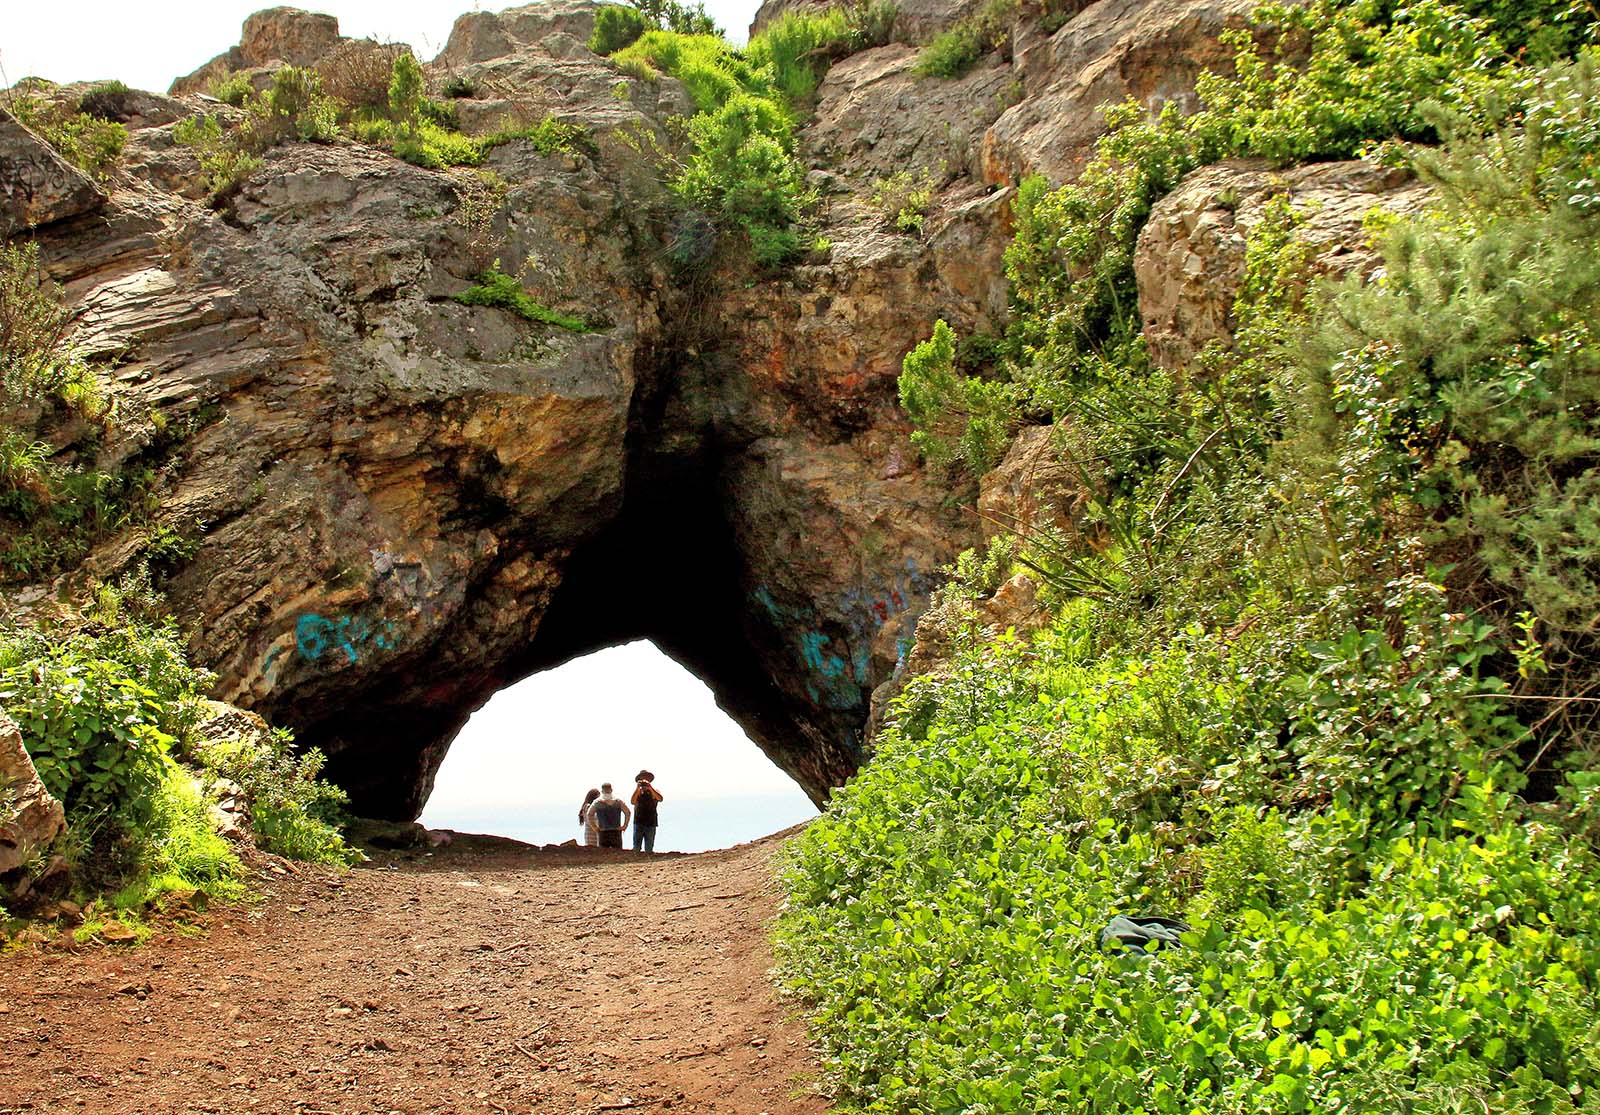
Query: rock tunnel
[
  {"x": 395, "y": 503},
  {"x": 704, "y": 554}
]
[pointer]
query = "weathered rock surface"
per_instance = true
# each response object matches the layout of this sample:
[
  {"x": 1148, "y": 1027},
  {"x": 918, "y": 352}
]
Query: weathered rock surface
[
  {"x": 1035, "y": 487},
  {"x": 1190, "y": 258},
  {"x": 398, "y": 504},
  {"x": 30, "y": 818},
  {"x": 875, "y": 116},
  {"x": 37, "y": 186},
  {"x": 1149, "y": 50}
]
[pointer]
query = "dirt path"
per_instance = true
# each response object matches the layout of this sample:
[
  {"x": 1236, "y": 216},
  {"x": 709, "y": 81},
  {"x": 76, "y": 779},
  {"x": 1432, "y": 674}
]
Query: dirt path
[{"x": 487, "y": 978}]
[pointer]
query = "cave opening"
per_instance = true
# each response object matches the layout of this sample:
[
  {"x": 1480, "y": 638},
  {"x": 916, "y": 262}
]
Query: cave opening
[{"x": 520, "y": 766}]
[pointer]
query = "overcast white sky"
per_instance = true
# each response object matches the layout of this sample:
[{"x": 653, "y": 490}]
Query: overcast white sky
[{"x": 149, "y": 44}]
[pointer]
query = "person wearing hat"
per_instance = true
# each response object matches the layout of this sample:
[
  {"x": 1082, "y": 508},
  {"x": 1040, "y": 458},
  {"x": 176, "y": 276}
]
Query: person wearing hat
[{"x": 644, "y": 799}]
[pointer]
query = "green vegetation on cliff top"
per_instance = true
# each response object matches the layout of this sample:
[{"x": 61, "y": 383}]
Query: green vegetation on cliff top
[{"x": 1318, "y": 677}]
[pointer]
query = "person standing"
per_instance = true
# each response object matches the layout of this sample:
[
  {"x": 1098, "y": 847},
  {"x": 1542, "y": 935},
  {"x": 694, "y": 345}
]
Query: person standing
[
  {"x": 611, "y": 815},
  {"x": 645, "y": 797},
  {"x": 586, "y": 818}
]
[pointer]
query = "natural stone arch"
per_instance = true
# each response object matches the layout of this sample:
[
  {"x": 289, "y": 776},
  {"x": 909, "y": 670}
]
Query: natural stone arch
[{"x": 399, "y": 504}]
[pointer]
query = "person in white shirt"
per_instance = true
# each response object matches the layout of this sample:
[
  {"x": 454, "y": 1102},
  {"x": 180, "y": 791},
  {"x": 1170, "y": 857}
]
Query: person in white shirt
[{"x": 591, "y": 834}]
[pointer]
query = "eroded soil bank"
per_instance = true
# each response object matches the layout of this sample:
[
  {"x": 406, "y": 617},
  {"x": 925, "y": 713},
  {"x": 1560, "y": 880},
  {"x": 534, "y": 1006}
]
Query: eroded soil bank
[{"x": 487, "y": 977}]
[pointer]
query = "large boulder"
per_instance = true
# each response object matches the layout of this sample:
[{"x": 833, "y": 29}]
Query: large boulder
[
  {"x": 483, "y": 36},
  {"x": 37, "y": 186},
  {"x": 1036, "y": 487},
  {"x": 875, "y": 116},
  {"x": 30, "y": 818},
  {"x": 271, "y": 38},
  {"x": 1190, "y": 259}
]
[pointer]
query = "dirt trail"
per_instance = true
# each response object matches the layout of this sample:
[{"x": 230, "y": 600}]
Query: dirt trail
[{"x": 489, "y": 977}]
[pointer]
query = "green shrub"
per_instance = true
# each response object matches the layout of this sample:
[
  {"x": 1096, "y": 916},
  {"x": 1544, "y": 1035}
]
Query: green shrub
[
  {"x": 223, "y": 159},
  {"x": 495, "y": 288},
  {"x": 99, "y": 714},
  {"x": 292, "y": 107},
  {"x": 406, "y": 87},
  {"x": 794, "y": 50},
  {"x": 709, "y": 68},
  {"x": 548, "y": 137},
  {"x": 684, "y": 19},
  {"x": 292, "y": 811},
  {"x": 182, "y": 850},
  {"x": 904, "y": 200},
  {"x": 90, "y": 143},
  {"x": 616, "y": 26},
  {"x": 742, "y": 168},
  {"x": 959, "y": 419},
  {"x": 234, "y": 90},
  {"x": 954, "y": 51},
  {"x": 37, "y": 358}
]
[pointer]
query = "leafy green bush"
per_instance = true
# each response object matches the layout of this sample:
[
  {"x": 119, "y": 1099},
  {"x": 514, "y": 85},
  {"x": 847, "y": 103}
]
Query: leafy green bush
[
  {"x": 943, "y": 917},
  {"x": 709, "y": 68},
  {"x": 743, "y": 169},
  {"x": 616, "y": 26},
  {"x": 90, "y": 143},
  {"x": 495, "y": 288},
  {"x": 225, "y": 162},
  {"x": 904, "y": 199},
  {"x": 959, "y": 419},
  {"x": 37, "y": 358},
  {"x": 1323, "y": 626},
  {"x": 100, "y": 713},
  {"x": 292, "y": 811},
  {"x": 684, "y": 19},
  {"x": 293, "y": 107},
  {"x": 795, "y": 49},
  {"x": 954, "y": 51},
  {"x": 234, "y": 90}
]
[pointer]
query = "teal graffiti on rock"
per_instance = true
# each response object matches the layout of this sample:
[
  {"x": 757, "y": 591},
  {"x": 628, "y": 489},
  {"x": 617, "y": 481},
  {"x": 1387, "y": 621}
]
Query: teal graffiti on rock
[{"x": 318, "y": 638}]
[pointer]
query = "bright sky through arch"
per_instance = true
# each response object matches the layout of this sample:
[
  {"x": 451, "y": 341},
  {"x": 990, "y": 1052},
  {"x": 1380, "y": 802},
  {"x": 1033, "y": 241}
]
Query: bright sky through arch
[
  {"x": 147, "y": 46},
  {"x": 523, "y": 762}
]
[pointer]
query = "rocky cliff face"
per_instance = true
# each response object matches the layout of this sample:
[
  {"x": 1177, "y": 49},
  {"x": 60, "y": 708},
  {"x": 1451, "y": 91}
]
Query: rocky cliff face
[{"x": 394, "y": 504}]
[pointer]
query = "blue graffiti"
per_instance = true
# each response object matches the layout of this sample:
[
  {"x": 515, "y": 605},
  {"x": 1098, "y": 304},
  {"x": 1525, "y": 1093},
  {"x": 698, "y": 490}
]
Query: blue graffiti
[
  {"x": 839, "y": 664},
  {"x": 322, "y": 640}
]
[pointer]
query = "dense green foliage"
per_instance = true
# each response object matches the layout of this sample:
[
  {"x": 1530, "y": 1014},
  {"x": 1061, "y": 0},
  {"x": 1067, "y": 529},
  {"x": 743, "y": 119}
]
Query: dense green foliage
[
  {"x": 108, "y": 710},
  {"x": 292, "y": 811},
  {"x": 740, "y": 164},
  {"x": 616, "y": 26},
  {"x": 50, "y": 511},
  {"x": 960, "y": 419},
  {"x": 1310, "y": 681},
  {"x": 496, "y": 288},
  {"x": 88, "y": 141}
]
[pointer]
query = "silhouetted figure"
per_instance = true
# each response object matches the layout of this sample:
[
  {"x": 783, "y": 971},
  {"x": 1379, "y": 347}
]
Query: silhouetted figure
[
  {"x": 611, "y": 815},
  {"x": 645, "y": 796},
  {"x": 591, "y": 834}
]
